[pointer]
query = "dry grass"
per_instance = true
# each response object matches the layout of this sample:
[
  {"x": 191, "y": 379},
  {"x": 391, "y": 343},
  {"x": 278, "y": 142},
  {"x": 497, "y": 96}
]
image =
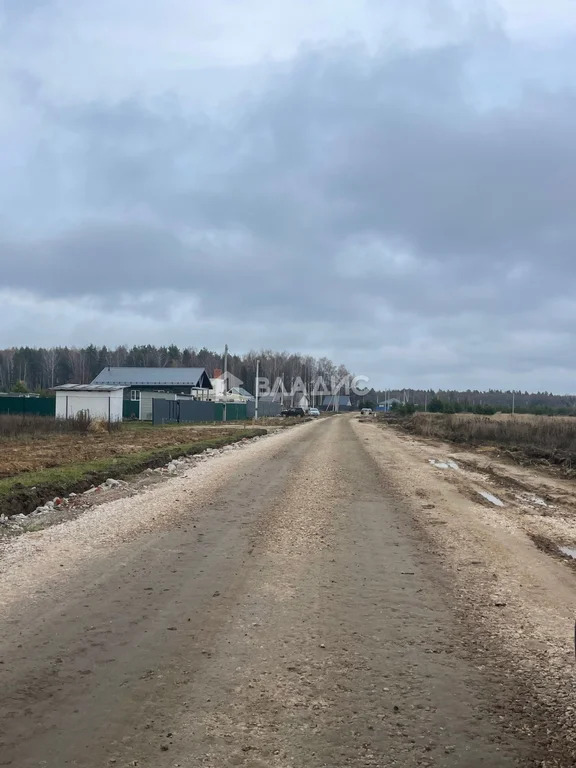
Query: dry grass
[
  {"x": 43, "y": 451},
  {"x": 17, "y": 426},
  {"x": 552, "y": 437}
]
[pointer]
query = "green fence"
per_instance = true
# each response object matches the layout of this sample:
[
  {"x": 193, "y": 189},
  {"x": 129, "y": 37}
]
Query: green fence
[
  {"x": 46, "y": 406},
  {"x": 29, "y": 406},
  {"x": 234, "y": 412},
  {"x": 131, "y": 409}
]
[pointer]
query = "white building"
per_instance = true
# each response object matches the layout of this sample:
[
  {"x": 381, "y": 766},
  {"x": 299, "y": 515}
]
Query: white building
[
  {"x": 100, "y": 402},
  {"x": 227, "y": 388},
  {"x": 218, "y": 387}
]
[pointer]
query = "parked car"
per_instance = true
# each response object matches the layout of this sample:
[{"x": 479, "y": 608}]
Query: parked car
[
  {"x": 366, "y": 411},
  {"x": 313, "y": 412},
  {"x": 293, "y": 412}
]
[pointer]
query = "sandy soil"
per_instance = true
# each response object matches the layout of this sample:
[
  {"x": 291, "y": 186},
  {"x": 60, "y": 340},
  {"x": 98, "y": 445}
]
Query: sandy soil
[
  {"x": 517, "y": 599},
  {"x": 323, "y": 597}
]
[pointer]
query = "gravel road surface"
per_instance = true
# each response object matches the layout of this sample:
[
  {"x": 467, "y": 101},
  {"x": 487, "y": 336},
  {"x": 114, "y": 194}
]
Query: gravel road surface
[{"x": 284, "y": 604}]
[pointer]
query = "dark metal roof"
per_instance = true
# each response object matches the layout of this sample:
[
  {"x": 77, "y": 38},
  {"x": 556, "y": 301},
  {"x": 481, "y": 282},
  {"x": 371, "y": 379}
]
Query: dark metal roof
[
  {"x": 87, "y": 388},
  {"x": 148, "y": 377}
]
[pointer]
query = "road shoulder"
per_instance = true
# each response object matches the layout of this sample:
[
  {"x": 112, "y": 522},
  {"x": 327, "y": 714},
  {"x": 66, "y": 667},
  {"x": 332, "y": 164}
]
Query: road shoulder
[{"x": 516, "y": 602}]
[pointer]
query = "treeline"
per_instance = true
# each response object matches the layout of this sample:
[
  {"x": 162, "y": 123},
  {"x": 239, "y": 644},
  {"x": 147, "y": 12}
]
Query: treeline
[
  {"x": 38, "y": 369},
  {"x": 443, "y": 406},
  {"x": 476, "y": 401}
]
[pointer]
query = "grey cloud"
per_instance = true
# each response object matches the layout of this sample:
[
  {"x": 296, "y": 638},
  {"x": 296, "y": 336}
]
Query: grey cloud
[
  {"x": 258, "y": 208},
  {"x": 346, "y": 143},
  {"x": 92, "y": 261},
  {"x": 117, "y": 262}
]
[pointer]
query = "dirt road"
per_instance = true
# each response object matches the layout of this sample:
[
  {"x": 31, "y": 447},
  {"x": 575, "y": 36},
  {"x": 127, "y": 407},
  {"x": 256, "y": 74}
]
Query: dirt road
[{"x": 290, "y": 603}]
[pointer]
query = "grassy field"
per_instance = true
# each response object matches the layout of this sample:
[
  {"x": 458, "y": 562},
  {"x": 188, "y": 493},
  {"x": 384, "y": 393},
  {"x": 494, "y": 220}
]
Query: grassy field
[
  {"x": 36, "y": 466},
  {"x": 545, "y": 437}
]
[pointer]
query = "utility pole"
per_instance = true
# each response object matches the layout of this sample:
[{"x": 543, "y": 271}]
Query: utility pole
[
  {"x": 225, "y": 379},
  {"x": 256, "y": 390},
  {"x": 513, "y": 403}
]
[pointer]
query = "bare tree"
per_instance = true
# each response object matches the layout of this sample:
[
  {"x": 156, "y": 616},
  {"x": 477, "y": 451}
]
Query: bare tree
[{"x": 50, "y": 360}]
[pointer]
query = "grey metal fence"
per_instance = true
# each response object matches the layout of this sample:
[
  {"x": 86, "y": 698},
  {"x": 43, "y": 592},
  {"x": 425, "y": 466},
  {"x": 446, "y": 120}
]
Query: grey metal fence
[
  {"x": 179, "y": 411},
  {"x": 265, "y": 408}
]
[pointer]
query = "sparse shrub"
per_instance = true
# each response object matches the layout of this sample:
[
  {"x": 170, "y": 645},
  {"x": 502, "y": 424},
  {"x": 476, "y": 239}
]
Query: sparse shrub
[
  {"x": 79, "y": 423},
  {"x": 553, "y": 437},
  {"x": 13, "y": 426}
]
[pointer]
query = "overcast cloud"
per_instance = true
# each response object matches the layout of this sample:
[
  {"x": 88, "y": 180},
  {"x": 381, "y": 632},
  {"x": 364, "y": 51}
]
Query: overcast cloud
[{"x": 391, "y": 187}]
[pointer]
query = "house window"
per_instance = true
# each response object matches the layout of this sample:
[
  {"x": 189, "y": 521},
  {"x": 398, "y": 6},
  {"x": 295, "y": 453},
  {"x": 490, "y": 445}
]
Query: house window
[{"x": 135, "y": 394}]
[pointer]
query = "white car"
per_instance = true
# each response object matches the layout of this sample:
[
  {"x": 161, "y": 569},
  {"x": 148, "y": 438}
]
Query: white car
[
  {"x": 366, "y": 411},
  {"x": 313, "y": 412}
]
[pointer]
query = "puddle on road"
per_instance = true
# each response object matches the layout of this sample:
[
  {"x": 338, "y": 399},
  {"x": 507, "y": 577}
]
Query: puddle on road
[
  {"x": 568, "y": 551},
  {"x": 449, "y": 464},
  {"x": 492, "y": 499}
]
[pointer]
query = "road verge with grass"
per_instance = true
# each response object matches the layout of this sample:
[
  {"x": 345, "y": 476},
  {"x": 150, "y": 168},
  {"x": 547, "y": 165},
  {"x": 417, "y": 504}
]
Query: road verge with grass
[
  {"x": 526, "y": 439},
  {"x": 22, "y": 493}
]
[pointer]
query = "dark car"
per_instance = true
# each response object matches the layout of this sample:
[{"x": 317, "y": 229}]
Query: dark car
[{"x": 293, "y": 412}]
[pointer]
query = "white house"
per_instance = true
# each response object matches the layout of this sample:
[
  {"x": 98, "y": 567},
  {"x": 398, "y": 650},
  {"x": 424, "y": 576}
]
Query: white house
[
  {"x": 218, "y": 387},
  {"x": 238, "y": 395},
  {"x": 228, "y": 388},
  {"x": 98, "y": 401}
]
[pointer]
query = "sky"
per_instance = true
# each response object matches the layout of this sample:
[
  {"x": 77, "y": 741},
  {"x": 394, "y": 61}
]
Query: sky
[{"x": 389, "y": 184}]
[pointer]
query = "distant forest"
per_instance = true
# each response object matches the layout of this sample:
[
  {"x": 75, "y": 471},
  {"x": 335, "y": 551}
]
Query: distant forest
[
  {"x": 454, "y": 401},
  {"x": 36, "y": 370}
]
